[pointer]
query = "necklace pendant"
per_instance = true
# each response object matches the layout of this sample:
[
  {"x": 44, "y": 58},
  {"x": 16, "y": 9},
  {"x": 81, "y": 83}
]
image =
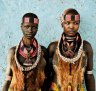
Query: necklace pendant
[
  {"x": 28, "y": 55},
  {"x": 70, "y": 79},
  {"x": 69, "y": 88},
  {"x": 27, "y": 62}
]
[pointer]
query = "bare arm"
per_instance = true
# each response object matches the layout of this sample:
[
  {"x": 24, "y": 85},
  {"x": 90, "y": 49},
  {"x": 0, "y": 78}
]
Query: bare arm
[
  {"x": 89, "y": 77},
  {"x": 8, "y": 71},
  {"x": 51, "y": 51}
]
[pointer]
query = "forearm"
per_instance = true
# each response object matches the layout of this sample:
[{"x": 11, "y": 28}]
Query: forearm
[
  {"x": 7, "y": 81},
  {"x": 90, "y": 82},
  {"x": 6, "y": 85}
]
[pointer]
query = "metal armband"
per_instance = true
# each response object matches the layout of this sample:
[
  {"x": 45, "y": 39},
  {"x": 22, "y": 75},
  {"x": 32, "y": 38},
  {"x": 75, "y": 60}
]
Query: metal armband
[
  {"x": 89, "y": 72},
  {"x": 8, "y": 78}
]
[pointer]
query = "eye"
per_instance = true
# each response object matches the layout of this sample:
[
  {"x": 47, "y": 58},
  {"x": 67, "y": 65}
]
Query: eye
[
  {"x": 27, "y": 26},
  {"x": 67, "y": 23},
  {"x": 76, "y": 23},
  {"x": 35, "y": 27}
]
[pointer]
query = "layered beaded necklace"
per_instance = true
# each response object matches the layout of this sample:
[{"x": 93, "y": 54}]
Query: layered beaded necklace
[
  {"x": 70, "y": 46},
  {"x": 28, "y": 55}
]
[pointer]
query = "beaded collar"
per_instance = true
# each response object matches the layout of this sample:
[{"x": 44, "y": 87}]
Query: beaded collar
[
  {"x": 23, "y": 51},
  {"x": 28, "y": 53},
  {"x": 28, "y": 68},
  {"x": 75, "y": 58}
]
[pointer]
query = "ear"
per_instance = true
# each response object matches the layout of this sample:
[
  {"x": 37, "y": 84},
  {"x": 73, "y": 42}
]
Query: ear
[
  {"x": 62, "y": 25},
  {"x": 38, "y": 25},
  {"x": 21, "y": 26}
]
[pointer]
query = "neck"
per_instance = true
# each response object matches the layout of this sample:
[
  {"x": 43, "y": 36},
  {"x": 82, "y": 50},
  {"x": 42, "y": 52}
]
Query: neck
[
  {"x": 70, "y": 38},
  {"x": 70, "y": 45},
  {"x": 27, "y": 41}
]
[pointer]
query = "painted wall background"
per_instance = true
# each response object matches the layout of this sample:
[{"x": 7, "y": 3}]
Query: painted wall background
[{"x": 49, "y": 12}]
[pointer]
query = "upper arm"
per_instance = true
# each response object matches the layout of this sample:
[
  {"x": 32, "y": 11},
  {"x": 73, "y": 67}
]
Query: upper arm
[
  {"x": 10, "y": 55},
  {"x": 89, "y": 53},
  {"x": 89, "y": 77},
  {"x": 45, "y": 53},
  {"x": 8, "y": 70},
  {"x": 51, "y": 49},
  {"x": 49, "y": 67}
]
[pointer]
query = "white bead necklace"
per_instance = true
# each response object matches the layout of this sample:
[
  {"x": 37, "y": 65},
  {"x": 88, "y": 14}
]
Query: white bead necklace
[
  {"x": 28, "y": 68},
  {"x": 75, "y": 58}
]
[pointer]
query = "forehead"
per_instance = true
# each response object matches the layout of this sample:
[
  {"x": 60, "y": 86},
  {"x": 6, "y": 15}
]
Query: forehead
[
  {"x": 72, "y": 17},
  {"x": 71, "y": 21},
  {"x": 29, "y": 24}
]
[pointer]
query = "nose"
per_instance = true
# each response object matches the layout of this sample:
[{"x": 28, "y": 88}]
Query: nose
[
  {"x": 30, "y": 29},
  {"x": 71, "y": 25}
]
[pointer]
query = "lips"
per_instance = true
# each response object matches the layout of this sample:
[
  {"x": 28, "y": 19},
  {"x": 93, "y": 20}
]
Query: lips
[
  {"x": 71, "y": 32},
  {"x": 30, "y": 35}
]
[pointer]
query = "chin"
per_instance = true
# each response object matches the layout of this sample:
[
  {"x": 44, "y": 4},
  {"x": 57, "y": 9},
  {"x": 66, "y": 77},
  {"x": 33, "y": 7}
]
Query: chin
[
  {"x": 72, "y": 34},
  {"x": 29, "y": 37}
]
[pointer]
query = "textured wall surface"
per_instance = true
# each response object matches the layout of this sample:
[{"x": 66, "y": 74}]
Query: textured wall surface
[{"x": 49, "y": 12}]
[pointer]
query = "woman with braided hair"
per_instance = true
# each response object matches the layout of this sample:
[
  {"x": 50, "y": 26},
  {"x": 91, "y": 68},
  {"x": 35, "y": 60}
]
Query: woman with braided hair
[{"x": 71, "y": 57}]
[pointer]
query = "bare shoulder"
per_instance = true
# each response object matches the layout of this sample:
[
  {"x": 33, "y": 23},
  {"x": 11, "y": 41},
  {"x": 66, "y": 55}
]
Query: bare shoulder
[
  {"x": 89, "y": 53},
  {"x": 87, "y": 47},
  {"x": 52, "y": 47},
  {"x": 11, "y": 53},
  {"x": 44, "y": 49},
  {"x": 12, "y": 49}
]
